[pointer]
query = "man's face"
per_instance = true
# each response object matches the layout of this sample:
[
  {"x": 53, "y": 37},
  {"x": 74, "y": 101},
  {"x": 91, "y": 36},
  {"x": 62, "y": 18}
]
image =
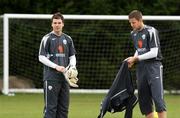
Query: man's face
[
  {"x": 135, "y": 24},
  {"x": 57, "y": 25}
]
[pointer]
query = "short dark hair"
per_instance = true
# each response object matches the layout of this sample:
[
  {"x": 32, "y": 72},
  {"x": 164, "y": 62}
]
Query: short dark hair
[
  {"x": 135, "y": 14},
  {"x": 58, "y": 15}
]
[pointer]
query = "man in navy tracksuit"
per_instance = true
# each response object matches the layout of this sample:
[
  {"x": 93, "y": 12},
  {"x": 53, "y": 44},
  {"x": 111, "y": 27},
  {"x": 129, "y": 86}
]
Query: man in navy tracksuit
[
  {"x": 56, "y": 52},
  {"x": 149, "y": 68}
]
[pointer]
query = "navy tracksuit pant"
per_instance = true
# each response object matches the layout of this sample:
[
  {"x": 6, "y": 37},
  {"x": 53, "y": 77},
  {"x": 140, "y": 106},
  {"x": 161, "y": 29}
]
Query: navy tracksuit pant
[{"x": 56, "y": 97}]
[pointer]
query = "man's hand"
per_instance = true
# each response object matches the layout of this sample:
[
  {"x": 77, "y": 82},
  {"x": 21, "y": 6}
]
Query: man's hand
[
  {"x": 131, "y": 61},
  {"x": 60, "y": 68}
]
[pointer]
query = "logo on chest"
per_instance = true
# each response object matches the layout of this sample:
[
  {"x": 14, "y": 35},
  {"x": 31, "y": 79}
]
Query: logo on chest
[
  {"x": 140, "y": 43},
  {"x": 60, "y": 49}
]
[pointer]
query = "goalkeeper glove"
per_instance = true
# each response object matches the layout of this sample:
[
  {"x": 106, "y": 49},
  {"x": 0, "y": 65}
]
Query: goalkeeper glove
[{"x": 71, "y": 76}]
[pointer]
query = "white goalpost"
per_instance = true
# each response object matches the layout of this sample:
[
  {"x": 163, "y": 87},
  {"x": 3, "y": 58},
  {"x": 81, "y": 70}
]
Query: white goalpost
[{"x": 6, "y": 33}]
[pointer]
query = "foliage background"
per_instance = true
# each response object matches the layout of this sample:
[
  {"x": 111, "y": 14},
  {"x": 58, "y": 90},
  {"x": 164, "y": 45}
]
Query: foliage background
[
  {"x": 99, "y": 7},
  {"x": 91, "y": 7}
]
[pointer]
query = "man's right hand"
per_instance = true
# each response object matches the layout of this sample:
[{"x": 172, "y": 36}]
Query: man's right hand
[
  {"x": 60, "y": 68},
  {"x": 131, "y": 61}
]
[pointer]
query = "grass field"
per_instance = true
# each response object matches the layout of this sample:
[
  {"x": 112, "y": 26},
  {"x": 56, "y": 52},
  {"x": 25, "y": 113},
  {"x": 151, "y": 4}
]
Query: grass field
[{"x": 81, "y": 106}]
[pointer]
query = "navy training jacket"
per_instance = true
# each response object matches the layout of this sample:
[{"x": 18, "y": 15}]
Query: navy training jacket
[{"x": 120, "y": 95}]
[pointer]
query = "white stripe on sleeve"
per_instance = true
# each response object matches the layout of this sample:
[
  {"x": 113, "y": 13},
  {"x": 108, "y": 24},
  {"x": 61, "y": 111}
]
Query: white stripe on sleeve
[
  {"x": 47, "y": 62},
  {"x": 72, "y": 60},
  {"x": 136, "y": 53},
  {"x": 149, "y": 55}
]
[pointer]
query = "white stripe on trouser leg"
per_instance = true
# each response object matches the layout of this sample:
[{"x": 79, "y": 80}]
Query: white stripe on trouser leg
[
  {"x": 46, "y": 94},
  {"x": 161, "y": 78}
]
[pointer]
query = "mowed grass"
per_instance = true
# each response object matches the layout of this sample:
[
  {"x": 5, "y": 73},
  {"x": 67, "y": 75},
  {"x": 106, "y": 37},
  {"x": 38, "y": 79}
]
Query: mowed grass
[{"x": 81, "y": 106}]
